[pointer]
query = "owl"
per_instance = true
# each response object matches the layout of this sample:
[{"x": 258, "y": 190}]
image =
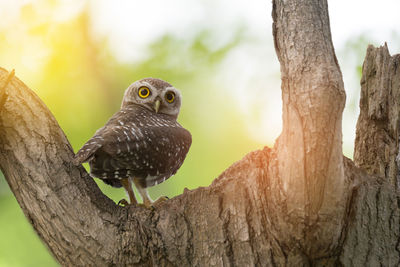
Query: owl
[{"x": 141, "y": 144}]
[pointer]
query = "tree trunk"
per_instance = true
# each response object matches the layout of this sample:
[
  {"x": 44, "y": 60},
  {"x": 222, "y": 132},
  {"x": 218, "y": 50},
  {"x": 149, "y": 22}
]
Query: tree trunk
[
  {"x": 310, "y": 174},
  {"x": 373, "y": 236},
  {"x": 377, "y": 149},
  {"x": 300, "y": 203}
]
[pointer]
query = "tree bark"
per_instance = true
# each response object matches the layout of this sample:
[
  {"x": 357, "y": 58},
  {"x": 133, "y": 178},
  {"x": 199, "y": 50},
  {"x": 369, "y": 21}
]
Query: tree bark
[
  {"x": 309, "y": 150},
  {"x": 300, "y": 203},
  {"x": 373, "y": 235},
  {"x": 377, "y": 149}
]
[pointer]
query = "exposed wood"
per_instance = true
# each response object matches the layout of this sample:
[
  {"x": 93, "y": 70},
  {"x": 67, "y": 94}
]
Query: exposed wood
[
  {"x": 309, "y": 149},
  {"x": 377, "y": 149}
]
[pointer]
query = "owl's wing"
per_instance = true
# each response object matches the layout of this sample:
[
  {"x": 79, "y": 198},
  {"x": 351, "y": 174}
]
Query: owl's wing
[
  {"x": 113, "y": 142},
  {"x": 103, "y": 136},
  {"x": 90, "y": 147}
]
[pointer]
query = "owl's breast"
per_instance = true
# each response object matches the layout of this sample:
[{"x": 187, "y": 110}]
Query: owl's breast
[
  {"x": 151, "y": 148},
  {"x": 164, "y": 153}
]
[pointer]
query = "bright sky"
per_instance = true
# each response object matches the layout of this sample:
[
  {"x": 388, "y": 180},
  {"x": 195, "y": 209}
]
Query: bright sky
[
  {"x": 379, "y": 19},
  {"x": 131, "y": 25},
  {"x": 139, "y": 22}
]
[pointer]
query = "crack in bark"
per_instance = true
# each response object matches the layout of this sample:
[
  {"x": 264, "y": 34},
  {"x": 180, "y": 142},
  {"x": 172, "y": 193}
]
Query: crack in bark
[
  {"x": 224, "y": 215},
  {"x": 189, "y": 247}
]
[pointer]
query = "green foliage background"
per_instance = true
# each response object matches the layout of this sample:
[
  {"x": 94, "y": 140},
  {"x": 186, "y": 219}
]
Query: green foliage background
[{"x": 82, "y": 84}]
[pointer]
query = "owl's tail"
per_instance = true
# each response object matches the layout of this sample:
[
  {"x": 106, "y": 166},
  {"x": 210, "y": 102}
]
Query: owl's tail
[
  {"x": 86, "y": 153},
  {"x": 81, "y": 157}
]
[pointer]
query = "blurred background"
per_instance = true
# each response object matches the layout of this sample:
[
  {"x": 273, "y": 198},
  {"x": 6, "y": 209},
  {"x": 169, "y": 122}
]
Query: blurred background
[{"x": 80, "y": 56}]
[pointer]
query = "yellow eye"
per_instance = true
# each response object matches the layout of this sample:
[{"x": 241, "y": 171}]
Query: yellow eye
[
  {"x": 143, "y": 92},
  {"x": 170, "y": 97}
]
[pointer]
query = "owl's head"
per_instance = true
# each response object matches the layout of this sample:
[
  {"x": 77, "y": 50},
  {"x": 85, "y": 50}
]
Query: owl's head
[{"x": 155, "y": 95}]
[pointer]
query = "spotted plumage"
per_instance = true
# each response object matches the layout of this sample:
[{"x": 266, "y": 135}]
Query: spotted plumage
[{"x": 141, "y": 143}]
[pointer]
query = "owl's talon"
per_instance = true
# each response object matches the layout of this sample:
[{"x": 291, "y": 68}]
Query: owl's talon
[{"x": 123, "y": 203}]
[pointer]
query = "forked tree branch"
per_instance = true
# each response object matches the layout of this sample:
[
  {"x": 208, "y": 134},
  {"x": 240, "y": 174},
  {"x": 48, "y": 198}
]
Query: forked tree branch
[{"x": 222, "y": 224}]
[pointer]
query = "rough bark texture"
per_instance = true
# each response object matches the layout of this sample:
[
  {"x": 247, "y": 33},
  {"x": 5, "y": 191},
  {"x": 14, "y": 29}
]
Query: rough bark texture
[
  {"x": 309, "y": 149},
  {"x": 377, "y": 149},
  {"x": 298, "y": 204},
  {"x": 373, "y": 237}
]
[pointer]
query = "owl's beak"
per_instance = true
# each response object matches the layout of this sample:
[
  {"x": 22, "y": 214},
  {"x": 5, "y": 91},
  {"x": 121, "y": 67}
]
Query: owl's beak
[{"x": 157, "y": 105}]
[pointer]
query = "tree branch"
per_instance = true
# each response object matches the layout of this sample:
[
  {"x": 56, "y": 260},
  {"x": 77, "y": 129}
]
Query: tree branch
[
  {"x": 222, "y": 224},
  {"x": 56, "y": 197},
  {"x": 377, "y": 150},
  {"x": 3, "y": 94},
  {"x": 309, "y": 149}
]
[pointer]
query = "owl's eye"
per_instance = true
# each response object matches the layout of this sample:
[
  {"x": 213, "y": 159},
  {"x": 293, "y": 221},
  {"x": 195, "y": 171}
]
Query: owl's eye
[
  {"x": 143, "y": 92},
  {"x": 170, "y": 97}
]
